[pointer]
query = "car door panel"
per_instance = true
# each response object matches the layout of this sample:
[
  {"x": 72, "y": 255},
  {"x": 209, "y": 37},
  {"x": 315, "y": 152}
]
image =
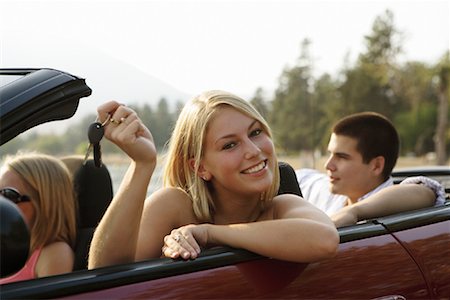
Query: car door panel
[
  {"x": 369, "y": 268},
  {"x": 428, "y": 245}
]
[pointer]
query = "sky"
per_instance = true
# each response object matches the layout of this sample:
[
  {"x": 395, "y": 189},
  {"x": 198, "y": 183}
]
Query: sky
[{"x": 234, "y": 45}]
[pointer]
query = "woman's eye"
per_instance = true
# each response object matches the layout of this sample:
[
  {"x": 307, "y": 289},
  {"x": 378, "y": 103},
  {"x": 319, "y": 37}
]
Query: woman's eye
[
  {"x": 255, "y": 132},
  {"x": 228, "y": 146}
]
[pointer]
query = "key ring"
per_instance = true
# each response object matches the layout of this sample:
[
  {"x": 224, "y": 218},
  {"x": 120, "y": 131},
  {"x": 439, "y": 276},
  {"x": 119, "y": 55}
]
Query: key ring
[{"x": 106, "y": 121}]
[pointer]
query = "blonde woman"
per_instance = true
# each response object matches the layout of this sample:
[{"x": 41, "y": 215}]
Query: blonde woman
[
  {"x": 41, "y": 187},
  {"x": 221, "y": 179}
]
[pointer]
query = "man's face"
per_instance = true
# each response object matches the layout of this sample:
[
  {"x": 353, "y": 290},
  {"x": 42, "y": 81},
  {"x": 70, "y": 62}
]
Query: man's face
[{"x": 348, "y": 174}]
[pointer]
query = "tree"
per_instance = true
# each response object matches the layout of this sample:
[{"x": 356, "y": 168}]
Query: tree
[
  {"x": 384, "y": 43},
  {"x": 415, "y": 121},
  {"x": 259, "y": 103},
  {"x": 443, "y": 111},
  {"x": 161, "y": 124},
  {"x": 326, "y": 103},
  {"x": 368, "y": 86},
  {"x": 292, "y": 116}
]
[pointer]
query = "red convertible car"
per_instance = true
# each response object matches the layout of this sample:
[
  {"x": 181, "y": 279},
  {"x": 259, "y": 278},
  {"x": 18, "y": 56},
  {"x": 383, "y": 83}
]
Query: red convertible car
[{"x": 402, "y": 256}]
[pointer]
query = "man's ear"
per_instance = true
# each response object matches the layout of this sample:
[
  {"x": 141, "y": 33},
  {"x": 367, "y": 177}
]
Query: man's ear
[
  {"x": 377, "y": 164},
  {"x": 202, "y": 172}
]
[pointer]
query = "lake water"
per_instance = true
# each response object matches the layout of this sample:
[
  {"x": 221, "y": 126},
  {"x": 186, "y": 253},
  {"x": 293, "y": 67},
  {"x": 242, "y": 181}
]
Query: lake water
[{"x": 118, "y": 170}]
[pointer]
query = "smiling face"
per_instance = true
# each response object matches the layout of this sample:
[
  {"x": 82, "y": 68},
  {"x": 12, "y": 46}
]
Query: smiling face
[
  {"x": 238, "y": 154},
  {"x": 348, "y": 174},
  {"x": 9, "y": 178}
]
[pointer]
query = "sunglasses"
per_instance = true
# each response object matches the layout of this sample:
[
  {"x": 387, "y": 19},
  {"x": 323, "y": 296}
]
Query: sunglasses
[{"x": 14, "y": 195}]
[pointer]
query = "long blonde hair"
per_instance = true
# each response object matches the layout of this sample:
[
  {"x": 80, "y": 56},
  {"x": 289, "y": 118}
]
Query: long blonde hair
[
  {"x": 53, "y": 197},
  {"x": 187, "y": 142}
]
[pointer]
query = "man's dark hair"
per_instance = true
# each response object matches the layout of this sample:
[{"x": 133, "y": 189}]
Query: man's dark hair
[{"x": 375, "y": 136}]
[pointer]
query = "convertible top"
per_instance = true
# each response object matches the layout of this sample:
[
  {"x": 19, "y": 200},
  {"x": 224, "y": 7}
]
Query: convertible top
[{"x": 40, "y": 96}]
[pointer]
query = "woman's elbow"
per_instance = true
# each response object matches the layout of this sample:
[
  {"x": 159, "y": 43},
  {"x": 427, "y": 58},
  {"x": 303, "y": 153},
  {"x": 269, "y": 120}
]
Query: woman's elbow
[{"x": 329, "y": 243}]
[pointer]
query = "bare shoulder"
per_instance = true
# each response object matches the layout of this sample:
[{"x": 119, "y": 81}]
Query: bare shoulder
[
  {"x": 169, "y": 197},
  {"x": 173, "y": 203},
  {"x": 57, "y": 248},
  {"x": 290, "y": 205},
  {"x": 55, "y": 258},
  {"x": 289, "y": 200},
  {"x": 169, "y": 193}
]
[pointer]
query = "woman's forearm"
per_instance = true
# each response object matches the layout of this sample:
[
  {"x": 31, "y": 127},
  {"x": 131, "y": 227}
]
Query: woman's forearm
[
  {"x": 115, "y": 238},
  {"x": 293, "y": 239}
]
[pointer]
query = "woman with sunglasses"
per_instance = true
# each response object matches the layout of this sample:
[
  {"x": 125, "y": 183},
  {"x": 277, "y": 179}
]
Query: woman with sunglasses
[
  {"x": 41, "y": 187},
  {"x": 221, "y": 180}
]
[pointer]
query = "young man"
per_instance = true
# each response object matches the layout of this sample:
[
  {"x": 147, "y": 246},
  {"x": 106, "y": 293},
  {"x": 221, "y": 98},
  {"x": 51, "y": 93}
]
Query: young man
[{"x": 363, "y": 151}]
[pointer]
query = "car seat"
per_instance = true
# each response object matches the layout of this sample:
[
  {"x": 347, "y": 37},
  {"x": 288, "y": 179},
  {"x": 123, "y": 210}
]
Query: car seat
[
  {"x": 94, "y": 192},
  {"x": 288, "y": 180}
]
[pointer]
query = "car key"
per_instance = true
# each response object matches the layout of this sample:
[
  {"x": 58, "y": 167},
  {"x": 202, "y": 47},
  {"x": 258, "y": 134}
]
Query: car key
[{"x": 95, "y": 134}]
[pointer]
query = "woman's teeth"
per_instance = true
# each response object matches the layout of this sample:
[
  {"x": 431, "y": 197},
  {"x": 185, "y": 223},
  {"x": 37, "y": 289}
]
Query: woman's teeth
[{"x": 255, "y": 169}]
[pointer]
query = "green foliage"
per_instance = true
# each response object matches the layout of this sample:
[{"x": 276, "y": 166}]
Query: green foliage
[
  {"x": 304, "y": 108},
  {"x": 368, "y": 86},
  {"x": 160, "y": 121},
  {"x": 383, "y": 43},
  {"x": 74, "y": 140},
  {"x": 292, "y": 108},
  {"x": 13, "y": 145},
  {"x": 413, "y": 95},
  {"x": 327, "y": 102},
  {"x": 259, "y": 103}
]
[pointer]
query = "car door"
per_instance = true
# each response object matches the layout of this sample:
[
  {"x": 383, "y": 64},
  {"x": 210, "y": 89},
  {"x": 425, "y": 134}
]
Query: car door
[
  {"x": 364, "y": 268},
  {"x": 371, "y": 263},
  {"x": 376, "y": 259},
  {"x": 425, "y": 235}
]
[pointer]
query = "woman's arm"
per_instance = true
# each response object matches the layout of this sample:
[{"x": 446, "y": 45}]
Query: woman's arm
[
  {"x": 164, "y": 210},
  {"x": 115, "y": 238},
  {"x": 299, "y": 232},
  {"x": 390, "y": 200}
]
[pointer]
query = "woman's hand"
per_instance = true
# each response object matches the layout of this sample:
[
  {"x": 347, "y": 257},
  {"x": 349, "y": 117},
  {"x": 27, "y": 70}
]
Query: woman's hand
[
  {"x": 185, "y": 242},
  {"x": 127, "y": 131}
]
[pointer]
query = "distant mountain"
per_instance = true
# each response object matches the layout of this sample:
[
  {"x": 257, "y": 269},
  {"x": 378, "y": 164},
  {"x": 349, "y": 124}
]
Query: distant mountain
[
  {"x": 108, "y": 77},
  {"x": 111, "y": 79}
]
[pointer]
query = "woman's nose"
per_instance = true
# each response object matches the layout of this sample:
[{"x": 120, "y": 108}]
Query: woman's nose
[{"x": 251, "y": 149}]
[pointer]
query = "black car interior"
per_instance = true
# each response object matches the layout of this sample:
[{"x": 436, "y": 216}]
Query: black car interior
[{"x": 94, "y": 190}]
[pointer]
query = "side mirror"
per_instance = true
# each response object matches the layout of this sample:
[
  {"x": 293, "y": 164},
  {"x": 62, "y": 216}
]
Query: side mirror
[{"x": 15, "y": 238}]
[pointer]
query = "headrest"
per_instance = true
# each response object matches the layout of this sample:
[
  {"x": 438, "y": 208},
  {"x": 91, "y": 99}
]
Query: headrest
[
  {"x": 288, "y": 180},
  {"x": 93, "y": 187}
]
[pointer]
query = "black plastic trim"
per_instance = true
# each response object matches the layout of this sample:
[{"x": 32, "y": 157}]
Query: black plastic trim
[
  {"x": 417, "y": 218},
  {"x": 394, "y": 223},
  {"x": 41, "y": 96},
  {"x": 366, "y": 229}
]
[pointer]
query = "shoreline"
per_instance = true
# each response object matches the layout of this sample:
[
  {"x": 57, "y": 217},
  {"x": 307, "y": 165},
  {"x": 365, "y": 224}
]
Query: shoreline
[{"x": 303, "y": 160}]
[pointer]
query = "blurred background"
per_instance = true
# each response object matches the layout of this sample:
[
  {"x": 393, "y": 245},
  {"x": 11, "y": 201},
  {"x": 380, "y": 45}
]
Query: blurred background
[{"x": 303, "y": 64}]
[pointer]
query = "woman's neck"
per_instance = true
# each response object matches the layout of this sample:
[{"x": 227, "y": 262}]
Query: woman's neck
[{"x": 231, "y": 209}]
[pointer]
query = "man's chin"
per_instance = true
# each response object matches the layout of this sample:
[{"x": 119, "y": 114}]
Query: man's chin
[{"x": 334, "y": 189}]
